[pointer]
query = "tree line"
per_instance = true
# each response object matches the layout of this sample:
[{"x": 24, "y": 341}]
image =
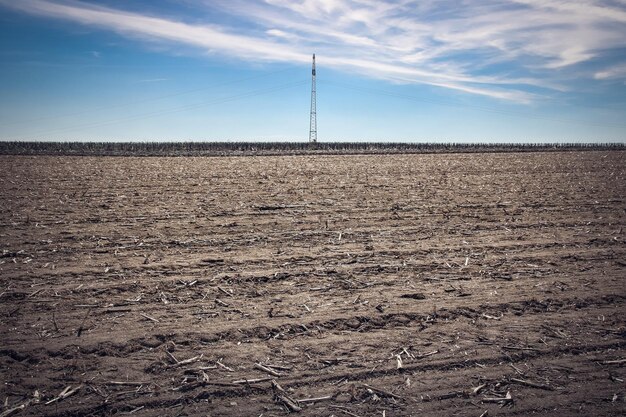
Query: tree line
[{"x": 280, "y": 148}]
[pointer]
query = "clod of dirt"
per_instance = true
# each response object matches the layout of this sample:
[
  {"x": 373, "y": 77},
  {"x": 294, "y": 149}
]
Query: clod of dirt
[{"x": 414, "y": 296}]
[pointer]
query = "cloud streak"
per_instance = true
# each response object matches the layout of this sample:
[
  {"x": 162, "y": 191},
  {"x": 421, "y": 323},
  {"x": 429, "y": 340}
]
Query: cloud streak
[{"x": 509, "y": 51}]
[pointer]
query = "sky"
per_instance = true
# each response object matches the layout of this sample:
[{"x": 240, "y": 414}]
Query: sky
[{"x": 240, "y": 70}]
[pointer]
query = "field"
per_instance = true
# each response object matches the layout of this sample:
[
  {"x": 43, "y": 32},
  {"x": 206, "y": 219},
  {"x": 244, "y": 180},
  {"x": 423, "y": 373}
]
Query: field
[{"x": 373, "y": 285}]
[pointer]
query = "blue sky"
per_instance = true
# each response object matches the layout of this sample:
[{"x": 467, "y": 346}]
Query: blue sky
[{"x": 465, "y": 70}]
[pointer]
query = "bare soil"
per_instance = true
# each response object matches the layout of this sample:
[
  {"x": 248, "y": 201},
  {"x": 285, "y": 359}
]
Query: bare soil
[{"x": 425, "y": 285}]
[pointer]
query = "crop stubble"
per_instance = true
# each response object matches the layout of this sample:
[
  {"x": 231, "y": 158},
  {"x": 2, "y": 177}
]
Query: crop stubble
[{"x": 407, "y": 284}]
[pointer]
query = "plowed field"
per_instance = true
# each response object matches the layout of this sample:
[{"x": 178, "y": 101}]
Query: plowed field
[{"x": 425, "y": 285}]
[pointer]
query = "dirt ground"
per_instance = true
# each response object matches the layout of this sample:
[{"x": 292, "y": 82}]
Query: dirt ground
[{"x": 424, "y": 285}]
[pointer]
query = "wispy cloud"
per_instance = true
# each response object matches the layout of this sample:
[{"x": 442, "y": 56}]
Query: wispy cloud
[
  {"x": 614, "y": 72},
  {"x": 506, "y": 50},
  {"x": 152, "y": 80}
]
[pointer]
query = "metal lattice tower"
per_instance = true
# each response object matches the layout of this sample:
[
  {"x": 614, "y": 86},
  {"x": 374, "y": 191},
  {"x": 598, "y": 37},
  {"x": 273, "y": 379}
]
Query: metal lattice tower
[{"x": 313, "y": 125}]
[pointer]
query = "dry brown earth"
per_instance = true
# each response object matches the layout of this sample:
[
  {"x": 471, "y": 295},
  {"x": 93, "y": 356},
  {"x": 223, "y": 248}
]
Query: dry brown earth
[{"x": 153, "y": 286}]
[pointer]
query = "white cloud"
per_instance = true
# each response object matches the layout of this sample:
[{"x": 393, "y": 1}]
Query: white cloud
[
  {"x": 472, "y": 46},
  {"x": 617, "y": 71},
  {"x": 280, "y": 34},
  {"x": 208, "y": 36}
]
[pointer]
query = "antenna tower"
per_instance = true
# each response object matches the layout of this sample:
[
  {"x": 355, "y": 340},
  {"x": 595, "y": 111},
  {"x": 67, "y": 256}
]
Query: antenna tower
[{"x": 313, "y": 125}]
